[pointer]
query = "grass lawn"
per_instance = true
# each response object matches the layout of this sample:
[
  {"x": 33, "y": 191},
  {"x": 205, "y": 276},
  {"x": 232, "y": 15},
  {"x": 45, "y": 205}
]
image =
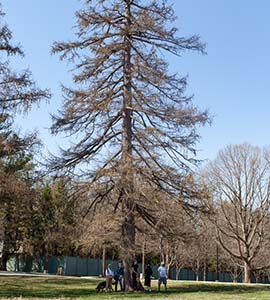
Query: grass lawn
[{"x": 60, "y": 287}]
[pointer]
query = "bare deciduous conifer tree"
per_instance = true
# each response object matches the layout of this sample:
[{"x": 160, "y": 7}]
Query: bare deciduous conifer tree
[{"x": 132, "y": 122}]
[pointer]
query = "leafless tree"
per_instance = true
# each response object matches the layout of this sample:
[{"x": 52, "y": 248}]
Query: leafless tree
[
  {"x": 240, "y": 184},
  {"x": 132, "y": 123},
  {"x": 201, "y": 245}
]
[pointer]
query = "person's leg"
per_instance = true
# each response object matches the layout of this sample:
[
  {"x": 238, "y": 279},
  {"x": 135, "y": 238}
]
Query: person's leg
[
  {"x": 134, "y": 281},
  {"x": 107, "y": 283},
  {"x": 121, "y": 283},
  {"x": 159, "y": 285},
  {"x": 110, "y": 283},
  {"x": 116, "y": 284}
]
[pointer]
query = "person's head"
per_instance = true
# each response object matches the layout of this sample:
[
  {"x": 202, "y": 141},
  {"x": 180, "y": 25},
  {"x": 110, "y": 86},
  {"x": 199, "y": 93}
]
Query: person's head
[
  {"x": 162, "y": 264},
  {"x": 109, "y": 266},
  {"x": 119, "y": 264}
]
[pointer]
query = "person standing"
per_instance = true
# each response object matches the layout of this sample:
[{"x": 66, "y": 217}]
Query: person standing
[
  {"x": 135, "y": 278},
  {"x": 109, "y": 277},
  {"x": 162, "y": 276},
  {"x": 119, "y": 277},
  {"x": 148, "y": 272}
]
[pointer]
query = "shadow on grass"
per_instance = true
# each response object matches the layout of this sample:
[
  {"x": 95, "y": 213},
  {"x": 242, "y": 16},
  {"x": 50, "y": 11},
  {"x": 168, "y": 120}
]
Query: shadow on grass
[
  {"x": 203, "y": 289},
  {"x": 46, "y": 288},
  {"x": 217, "y": 288}
]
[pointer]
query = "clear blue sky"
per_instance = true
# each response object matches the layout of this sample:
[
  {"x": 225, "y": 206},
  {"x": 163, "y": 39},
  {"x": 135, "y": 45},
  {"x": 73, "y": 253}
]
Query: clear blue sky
[{"x": 232, "y": 81}]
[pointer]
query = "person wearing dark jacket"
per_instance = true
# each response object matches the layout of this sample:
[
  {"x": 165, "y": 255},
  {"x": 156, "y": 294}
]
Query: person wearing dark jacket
[
  {"x": 118, "y": 277},
  {"x": 148, "y": 272},
  {"x": 135, "y": 276}
]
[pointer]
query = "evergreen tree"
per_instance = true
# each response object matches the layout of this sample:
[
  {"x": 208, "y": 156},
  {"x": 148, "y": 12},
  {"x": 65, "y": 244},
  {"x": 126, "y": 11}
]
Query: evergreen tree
[
  {"x": 17, "y": 196},
  {"x": 17, "y": 93},
  {"x": 57, "y": 220}
]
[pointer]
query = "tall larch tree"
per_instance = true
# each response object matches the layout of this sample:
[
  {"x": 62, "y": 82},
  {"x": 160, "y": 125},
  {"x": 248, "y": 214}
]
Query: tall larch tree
[{"x": 131, "y": 121}]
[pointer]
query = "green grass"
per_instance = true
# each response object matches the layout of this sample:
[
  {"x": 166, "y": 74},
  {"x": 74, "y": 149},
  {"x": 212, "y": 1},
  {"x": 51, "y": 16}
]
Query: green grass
[{"x": 60, "y": 288}]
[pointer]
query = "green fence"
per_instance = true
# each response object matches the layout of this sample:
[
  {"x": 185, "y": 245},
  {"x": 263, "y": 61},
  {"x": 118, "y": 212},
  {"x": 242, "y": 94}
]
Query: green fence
[{"x": 80, "y": 266}]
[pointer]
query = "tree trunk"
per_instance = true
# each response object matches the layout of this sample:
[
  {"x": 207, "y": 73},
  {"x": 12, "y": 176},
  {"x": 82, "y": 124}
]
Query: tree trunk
[
  {"x": 198, "y": 270},
  {"x": 257, "y": 278},
  {"x": 162, "y": 258},
  {"x": 235, "y": 274},
  {"x": 103, "y": 260},
  {"x": 5, "y": 254},
  {"x": 3, "y": 262},
  {"x": 217, "y": 261},
  {"x": 128, "y": 241},
  {"x": 17, "y": 263},
  {"x": 247, "y": 273},
  {"x": 46, "y": 258},
  {"x": 143, "y": 256},
  {"x": 168, "y": 261},
  {"x": 204, "y": 270},
  {"x": 178, "y": 271},
  {"x": 128, "y": 225}
]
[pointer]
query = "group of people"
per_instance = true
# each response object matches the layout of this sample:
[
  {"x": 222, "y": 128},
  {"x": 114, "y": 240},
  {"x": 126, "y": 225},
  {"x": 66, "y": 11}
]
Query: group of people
[
  {"x": 162, "y": 276},
  {"x": 118, "y": 276}
]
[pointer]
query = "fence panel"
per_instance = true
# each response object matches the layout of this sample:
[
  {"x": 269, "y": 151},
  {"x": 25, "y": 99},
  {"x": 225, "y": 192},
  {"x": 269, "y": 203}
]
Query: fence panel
[{"x": 79, "y": 266}]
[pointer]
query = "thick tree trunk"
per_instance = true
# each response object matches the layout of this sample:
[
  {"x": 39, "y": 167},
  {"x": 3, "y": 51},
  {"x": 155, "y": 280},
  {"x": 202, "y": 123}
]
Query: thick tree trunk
[
  {"x": 128, "y": 226},
  {"x": 5, "y": 253},
  {"x": 247, "y": 273},
  {"x": 128, "y": 241}
]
